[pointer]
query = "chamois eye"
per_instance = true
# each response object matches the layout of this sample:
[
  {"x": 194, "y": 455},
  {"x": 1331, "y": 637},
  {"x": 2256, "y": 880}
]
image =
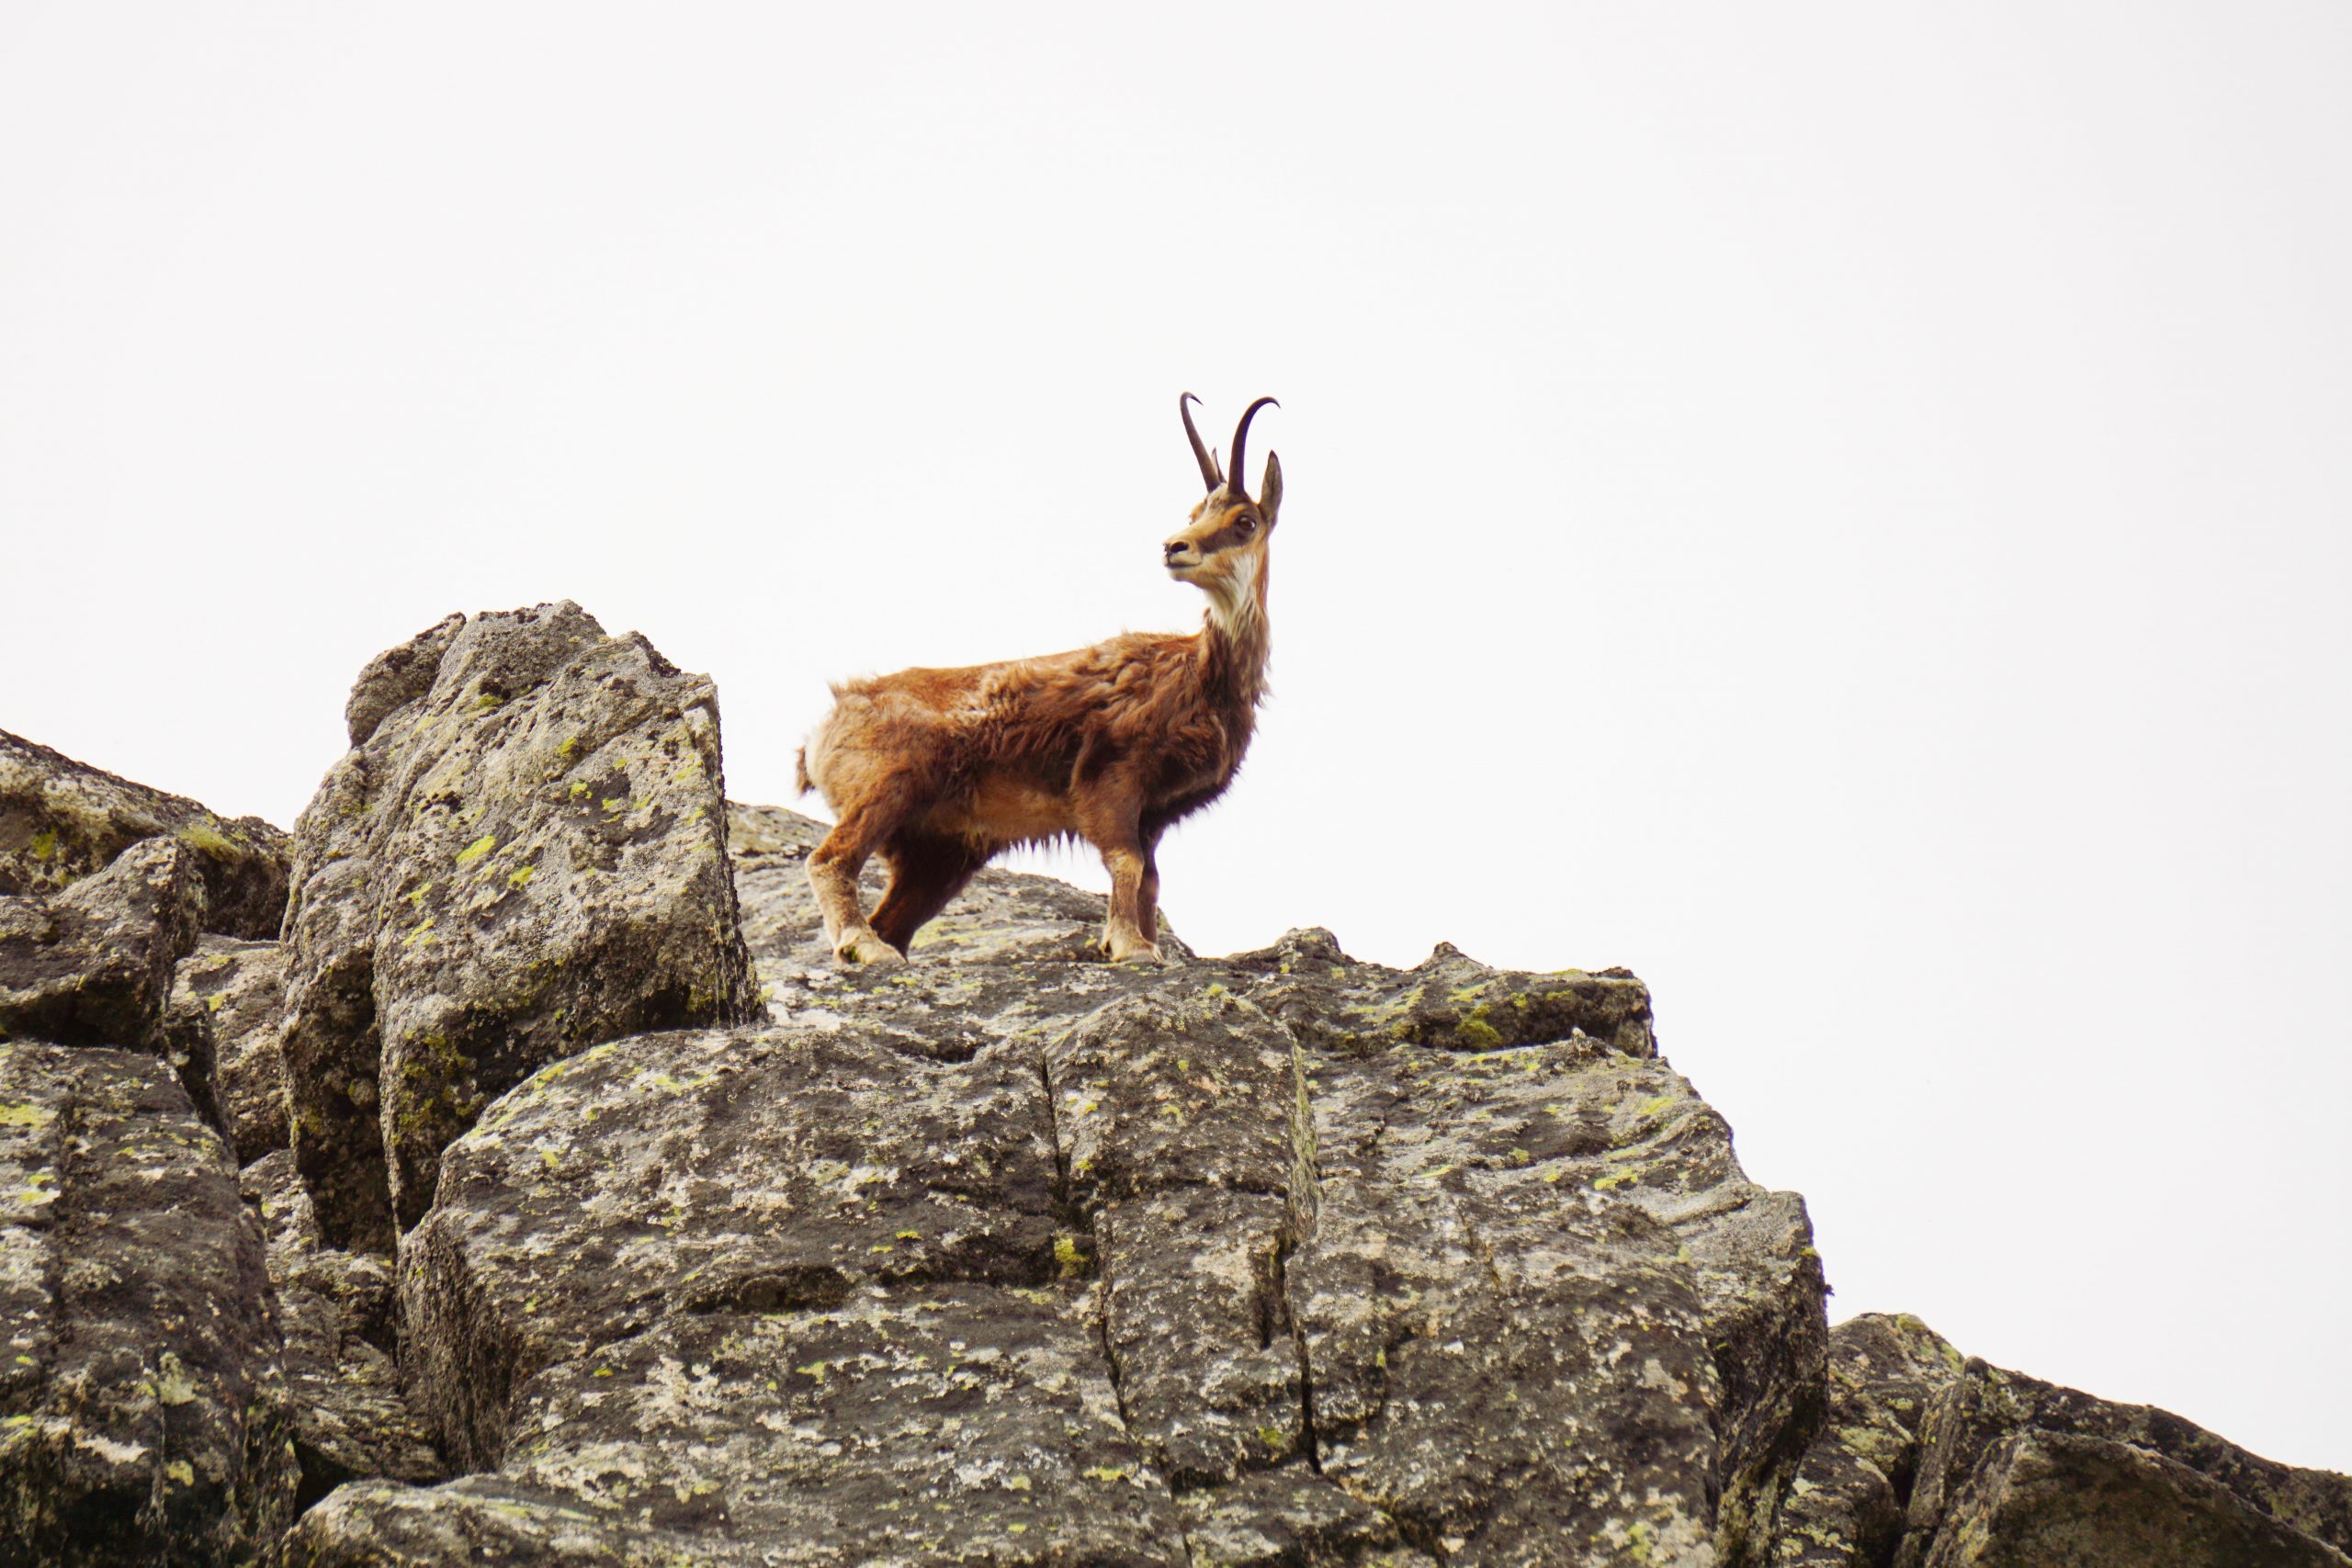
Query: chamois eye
[{"x": 1248, "y": 525}]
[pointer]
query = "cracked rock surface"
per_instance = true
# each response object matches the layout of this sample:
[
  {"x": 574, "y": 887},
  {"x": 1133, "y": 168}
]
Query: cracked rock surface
[{"x": 589, "y": 1215}]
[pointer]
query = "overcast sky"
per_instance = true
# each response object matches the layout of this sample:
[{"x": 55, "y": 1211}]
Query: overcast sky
[{"x": 1841, "y": 507}]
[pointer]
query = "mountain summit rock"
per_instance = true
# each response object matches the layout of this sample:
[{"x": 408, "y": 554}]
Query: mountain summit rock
[{"x": 591, "y": 1215}]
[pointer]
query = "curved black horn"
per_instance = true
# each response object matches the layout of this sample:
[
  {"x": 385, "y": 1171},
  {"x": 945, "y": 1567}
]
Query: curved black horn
[
  {"x": 1209, "y": 476},
  {"x": 1241, "y": 435}
]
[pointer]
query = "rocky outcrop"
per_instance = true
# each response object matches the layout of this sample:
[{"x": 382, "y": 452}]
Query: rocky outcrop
[
  {"x": 143, "y": 1411},
  {"x": 591, "y": 1215},
  {"x": 1357, "y": 1298},
  {"x": 61, "y": 820},
  {"x": 522, "y": 854}
]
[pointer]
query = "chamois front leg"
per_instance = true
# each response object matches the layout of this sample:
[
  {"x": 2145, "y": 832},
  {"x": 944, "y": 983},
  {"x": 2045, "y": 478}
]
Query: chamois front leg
[
  {"x": 1125, "y": 936},
  {"x": 834, "y": 866},
  {"x": 1111, "y": 823}
]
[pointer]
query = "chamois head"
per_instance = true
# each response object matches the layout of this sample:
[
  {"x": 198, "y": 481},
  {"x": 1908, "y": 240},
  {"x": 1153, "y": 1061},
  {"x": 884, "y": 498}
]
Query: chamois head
[{"x": 1222, "y": 551}]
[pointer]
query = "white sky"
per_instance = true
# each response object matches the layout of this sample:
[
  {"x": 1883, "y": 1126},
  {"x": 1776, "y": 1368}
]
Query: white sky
[{"x": 1841, "y": 509}]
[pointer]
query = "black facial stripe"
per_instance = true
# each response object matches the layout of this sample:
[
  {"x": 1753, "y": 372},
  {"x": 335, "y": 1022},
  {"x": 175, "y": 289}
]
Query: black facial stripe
[{"x": 1227, "y": 537}]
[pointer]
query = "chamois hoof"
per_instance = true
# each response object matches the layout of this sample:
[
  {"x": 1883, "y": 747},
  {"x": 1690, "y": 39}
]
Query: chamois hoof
[
  {"x": 866, "y": 950},
  {"x": 1141, "y": 953}
]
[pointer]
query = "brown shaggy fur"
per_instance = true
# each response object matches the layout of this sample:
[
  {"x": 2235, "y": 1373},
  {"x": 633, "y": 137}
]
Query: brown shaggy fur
[{"x": 940, "y": 771}]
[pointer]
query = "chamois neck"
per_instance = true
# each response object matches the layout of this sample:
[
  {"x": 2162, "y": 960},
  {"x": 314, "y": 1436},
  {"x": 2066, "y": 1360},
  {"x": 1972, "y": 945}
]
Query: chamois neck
[{"x": 1234, "y": 637}]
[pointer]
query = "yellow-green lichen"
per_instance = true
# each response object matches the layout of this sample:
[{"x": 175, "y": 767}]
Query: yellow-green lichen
[
  {"x": 45, "y": 843},
  {"x": 202, "y": 836},
  {"x": 478, "y": 848}
]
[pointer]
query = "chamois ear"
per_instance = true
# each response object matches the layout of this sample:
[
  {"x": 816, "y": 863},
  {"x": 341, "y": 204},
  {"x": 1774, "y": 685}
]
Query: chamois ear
[{"x": 1269, "y": 494}]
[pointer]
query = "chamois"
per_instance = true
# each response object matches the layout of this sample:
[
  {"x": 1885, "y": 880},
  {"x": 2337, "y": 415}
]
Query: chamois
[{"x": 940, "y": 771}]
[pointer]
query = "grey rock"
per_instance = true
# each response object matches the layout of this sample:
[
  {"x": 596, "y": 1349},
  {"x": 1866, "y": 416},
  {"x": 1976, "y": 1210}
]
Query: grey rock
[
  {"x": 1507, "y": 1354},
  {"x": 2010, "y": 1466},
  {"x": 143, "y": 1414},
  {"x": 525, "y": 857},
  {"x": 715, "y": 1172},
  {"x": 2043, "y": 1497},
  {"x": 1290, "y": 1517},
  {"x": 352, "y": 1418},
  {"x": 61, "y": 820},
  {"x": 923, "y": 1425},
  {"x": 1179, "y": 1119},
  {"x": 227, "y": 1007},
  {"x": 397, "y": 677},
  {"x": 93, "y": 964},
  {"x": 1450, "y": 1001},
  {"x": 1845, "y": 1505},
  {"x": 1529, "y": 1310},
  {"x": 934, "y": 1424}
]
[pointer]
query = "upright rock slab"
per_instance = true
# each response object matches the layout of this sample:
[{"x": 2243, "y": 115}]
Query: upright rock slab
[
  {"x": 1845, "y": 1505},
  {"x": 227, "y": 1007},
  {"x": 144, "y": 1415},
  {"x": 61, "y": 820},
  {"x": 523, "y": 855}
]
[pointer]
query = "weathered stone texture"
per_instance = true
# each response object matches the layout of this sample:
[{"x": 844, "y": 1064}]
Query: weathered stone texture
[
  {"x": 522, "y": 856},
  {"x": 61, "y": 820},
  {"x": 935, "y": 1424},
  {"x": 143, "y": 1412},
  {"x": 714, "y": 1171}
]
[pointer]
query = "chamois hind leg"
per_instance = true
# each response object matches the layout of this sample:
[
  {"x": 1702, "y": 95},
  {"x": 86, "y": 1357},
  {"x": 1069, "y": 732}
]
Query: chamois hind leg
[
  {"x": 1147, "y": 892},
  {"x": 927, "y": 870},
  {"x": 834, "y": 866}
]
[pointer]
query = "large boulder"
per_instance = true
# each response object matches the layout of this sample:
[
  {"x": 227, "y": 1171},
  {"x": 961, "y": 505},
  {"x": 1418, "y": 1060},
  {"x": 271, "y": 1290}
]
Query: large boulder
[
  {"x": 522, "y": 854},
  {"x": 143, "y": 1412},
  {"x": 61, "y": 820}
]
